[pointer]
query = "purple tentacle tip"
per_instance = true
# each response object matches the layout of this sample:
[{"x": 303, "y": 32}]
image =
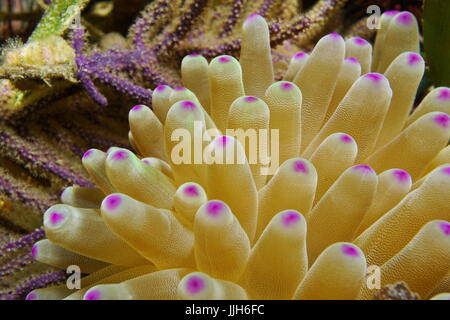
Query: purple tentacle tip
[
  {"x": 446, "y": 170},
  {"x": 299, "y": 55},
  {"x": 402, "y": 176},
  {"x": 93, "y": 295},
  {"x": 346, "y": 138},
  {"x": 290, "y": 218},
  {"x": 160, "y": 88},
  {"x": 352, "y": 60},
  {"x": 214, "y": 208},
  {"x": 56, "y": 218},
  {"x": 188, "y": 105},
  {"x": 391, "y": 12},
  {"x": 195, "y": 284},
  {"x": 34, "y": 251},
  {"x": 286, "y": 85},
  {"x": 224, "y": 59},
  {"x": 375, "y": 77},
  {"x": 191, "y": 191},
  {"x": 193, "y": 55},
  {"x": 404, "y": 18},
  {"x": 87, "y": 153},
  {"x": 250, "y": 99},
  {"x": 335, "y": 35},
  {"x": 445, "y": 227},
  {"x": 442, "y": 120},
  {"x": 349, "y": 250},
  {"x": 120, "y": 155},
  {"x": 253, "y": 16},
  {"x": 360, "y": 41},
  {"x": 444, "y": 94},
  {"x": 222, "y": 141},
  {"x": 31, "y": 296},
  {"x": 363, "y": 168},
  {"x": 300, "y": 166},
  {"x": 112, "y": 202},
  {"x": 137, "y": 107},
  {"x": 414, "y": 58}
]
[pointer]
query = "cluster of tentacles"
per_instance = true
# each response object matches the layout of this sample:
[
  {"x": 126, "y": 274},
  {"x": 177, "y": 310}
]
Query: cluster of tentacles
[
  {"x": 40, "y": 144},
  {"x": 363, "y": 181}
]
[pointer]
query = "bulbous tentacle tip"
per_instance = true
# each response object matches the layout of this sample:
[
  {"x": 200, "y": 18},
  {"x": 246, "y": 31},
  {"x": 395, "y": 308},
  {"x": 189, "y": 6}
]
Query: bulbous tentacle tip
[
  {"x": 350, "y": 250},
  {"x": 56, "y": 216},
  {"x": 405, "y": 18},
  {"x": 93, "y": 294},
  {"x": 363, "y": 168},
  {"x": 346, "y": 138},
  {"x": 444, "y": 94},
  {"x": 445, "y": 228},
  {"x": 402, "y": 176},
  {"x": 290, "y": 218},
  {"x": 31, "y": 296},
  {"x": 112, "y": 202}
]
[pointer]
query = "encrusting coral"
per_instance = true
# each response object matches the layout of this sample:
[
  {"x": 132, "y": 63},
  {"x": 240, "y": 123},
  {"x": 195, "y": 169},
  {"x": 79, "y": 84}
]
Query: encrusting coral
[{"x": 155, "y": 228}]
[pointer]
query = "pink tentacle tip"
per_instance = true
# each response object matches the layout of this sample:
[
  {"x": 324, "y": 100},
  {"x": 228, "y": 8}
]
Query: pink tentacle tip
[
  {"x": 299, "y": 55},
  {"x": 224, "y": 59},
  {"x": 402, "y": 176},
  {"x": 34, "y": 251},
  {"x": 352, "y": 60},
  {"x": 87, "y": 154},
  {"x": 346, "y": 138},
  {"x": 180, "y": 89},
  {"x": 31, "y": 296},
  {"x": 404, "y": 18},
  {"x": 360, "y": 41},
  {"x": 193, "y": 55},
  {"x": 93, "y": 295},
  {"x": 214, "y": 208},
  {"x": 444, "y": 94},
  {"x": 446, "y": 170},
  {"x": 120, "y": 155},
  {"x": 391, "y": 12},
  {"x": 195, "y": 284},
  {"x": 300, "y": 166},
  {"x": 188, "y": 105},
  {"x": 56, "y": 218},
  {"x": 112, "y": 202},
  {"x": 290, "y": 218},
  {"x": 160, "y": 88},
  {"x": 350, "y": 250},
  {"x": 222, "y": 141},
  {"x": 363, "y": 168},
  {"x": 253, "y": 16},
  {"x": 375, "y": 77},
  {"x": 191, "y": 191},
  {"x": 442, "y": 120},
  {"x": 250, "y": 99},
  {"x": 335, "y": 35},
  {"x": 414, "y": 59},
  {"x": 286, "y": 86},
  {"x": 137, "y": 107},
  {"x": 445, "y": 227}
]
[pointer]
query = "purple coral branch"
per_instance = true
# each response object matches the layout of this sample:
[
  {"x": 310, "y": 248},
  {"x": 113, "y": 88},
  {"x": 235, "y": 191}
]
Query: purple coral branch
[
  {"x": 103, "y": 67},
  {"x": 26, "y": 240},
  {"x": 35, "y": 282},
  {"x": 232, "y": 18},
  {"x": 80, "y": 60},
  {"x": 16, "y": 264}
]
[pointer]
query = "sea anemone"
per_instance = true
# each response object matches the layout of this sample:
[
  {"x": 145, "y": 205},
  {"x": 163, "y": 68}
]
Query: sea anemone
[{"x": 158, "y": 228}]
